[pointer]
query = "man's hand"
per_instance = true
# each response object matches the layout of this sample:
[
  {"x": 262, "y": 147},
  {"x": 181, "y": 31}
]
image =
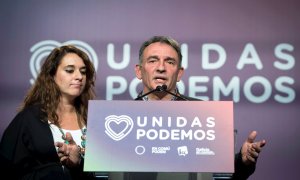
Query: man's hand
[{"x": 250, "y": 149}]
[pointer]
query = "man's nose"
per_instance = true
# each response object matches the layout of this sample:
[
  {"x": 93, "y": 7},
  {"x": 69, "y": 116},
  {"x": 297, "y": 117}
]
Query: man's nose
[{"x": 161, "y": 66}]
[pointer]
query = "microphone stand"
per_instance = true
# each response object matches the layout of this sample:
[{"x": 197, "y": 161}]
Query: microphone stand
[
  {"x": 158, "y": 88},
  {"x": 164, "y": 88}
]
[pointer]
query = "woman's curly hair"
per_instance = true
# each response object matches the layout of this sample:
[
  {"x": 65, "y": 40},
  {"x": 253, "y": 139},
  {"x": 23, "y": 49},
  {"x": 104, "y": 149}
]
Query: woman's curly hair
[{"x": 46, "y": 93}]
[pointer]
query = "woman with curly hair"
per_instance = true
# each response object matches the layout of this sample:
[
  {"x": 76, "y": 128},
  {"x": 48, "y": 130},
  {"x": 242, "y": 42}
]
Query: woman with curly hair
[{"x": 46, "y": 139}]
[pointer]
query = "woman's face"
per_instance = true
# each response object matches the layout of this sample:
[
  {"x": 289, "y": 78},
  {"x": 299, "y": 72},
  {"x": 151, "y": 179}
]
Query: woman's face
[{"x": 70, "y": 76}]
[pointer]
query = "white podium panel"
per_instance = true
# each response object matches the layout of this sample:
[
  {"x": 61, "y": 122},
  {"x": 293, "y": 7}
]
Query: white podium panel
[{"x": 160, "y": 136}]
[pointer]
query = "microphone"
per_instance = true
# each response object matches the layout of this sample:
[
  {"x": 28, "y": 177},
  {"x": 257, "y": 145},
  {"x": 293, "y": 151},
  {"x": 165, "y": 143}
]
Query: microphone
[
  {"x": 158, "y": 88},
  {"x": 164, "y": 88}
]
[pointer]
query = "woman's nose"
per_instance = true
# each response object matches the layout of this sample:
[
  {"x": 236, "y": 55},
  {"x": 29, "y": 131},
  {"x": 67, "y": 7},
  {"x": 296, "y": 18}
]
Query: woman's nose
[{"x": 78, "y": 75}]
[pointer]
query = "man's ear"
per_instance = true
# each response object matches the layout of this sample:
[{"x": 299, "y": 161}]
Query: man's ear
[
  {"x": 180, "y": 74},
  {"x": 138, "y": 72}
]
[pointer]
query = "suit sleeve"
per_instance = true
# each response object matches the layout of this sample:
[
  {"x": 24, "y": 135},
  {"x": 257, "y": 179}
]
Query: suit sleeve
[{"x": 242, "y": 171}]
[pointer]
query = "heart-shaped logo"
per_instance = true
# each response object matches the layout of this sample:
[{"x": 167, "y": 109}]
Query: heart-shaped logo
[{"x": 118, "y": 127}]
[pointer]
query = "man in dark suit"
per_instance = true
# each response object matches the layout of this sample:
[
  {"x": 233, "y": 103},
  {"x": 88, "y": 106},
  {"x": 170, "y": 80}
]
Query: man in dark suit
[{"x": 160, "y": 64}]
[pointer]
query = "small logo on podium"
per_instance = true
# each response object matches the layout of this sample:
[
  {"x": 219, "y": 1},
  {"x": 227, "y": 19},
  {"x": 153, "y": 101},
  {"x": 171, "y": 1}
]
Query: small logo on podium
[{"x": 182, "y": 150}]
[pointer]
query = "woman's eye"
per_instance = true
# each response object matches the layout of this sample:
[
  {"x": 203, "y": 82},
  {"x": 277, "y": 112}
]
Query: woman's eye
[
  {"x": 69, "y": 70},
  {"x": 83, "y": 71}
]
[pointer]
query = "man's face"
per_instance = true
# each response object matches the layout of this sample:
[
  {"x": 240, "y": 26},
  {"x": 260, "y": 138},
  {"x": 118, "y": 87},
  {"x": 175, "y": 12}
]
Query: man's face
[{"x": 160, "y": 65}]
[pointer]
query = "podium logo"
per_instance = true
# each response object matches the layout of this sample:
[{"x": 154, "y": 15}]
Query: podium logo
[
  {"x": 204, "y": 151},
  {"x": 118, "y": 127},
  {"x": 182, "y": 150}
]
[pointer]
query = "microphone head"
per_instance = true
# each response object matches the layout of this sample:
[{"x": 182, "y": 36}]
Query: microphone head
[
  {"x": 158, "y": 88},
  {"x": 164, "y": 87}
]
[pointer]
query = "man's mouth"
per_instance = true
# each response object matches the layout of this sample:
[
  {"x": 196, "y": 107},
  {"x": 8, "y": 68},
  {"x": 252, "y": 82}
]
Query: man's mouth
[{"x": 160, "y": 79}]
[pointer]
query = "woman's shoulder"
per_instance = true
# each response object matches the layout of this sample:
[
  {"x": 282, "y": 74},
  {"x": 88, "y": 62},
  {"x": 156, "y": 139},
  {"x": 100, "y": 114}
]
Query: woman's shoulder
[
  {"x": 32, "y": 110},
  {"x": 30, "y": 113},
  {"x": 23, "y": 122}
]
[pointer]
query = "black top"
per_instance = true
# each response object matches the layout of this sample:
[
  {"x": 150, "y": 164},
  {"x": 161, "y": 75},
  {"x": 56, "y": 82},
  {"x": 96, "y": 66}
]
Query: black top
[{"x": 27, "y": 150}]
